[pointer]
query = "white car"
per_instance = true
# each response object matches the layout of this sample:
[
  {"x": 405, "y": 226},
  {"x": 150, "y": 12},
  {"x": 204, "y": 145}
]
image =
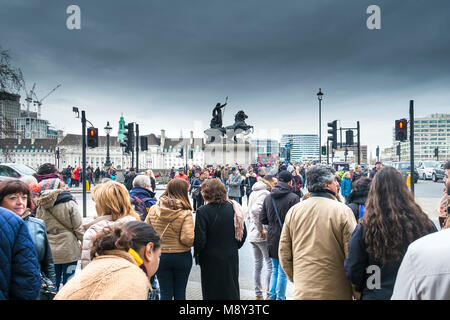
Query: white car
[
  {"x": 426, "y": 169},
  {"x": 14, "y": 171}
]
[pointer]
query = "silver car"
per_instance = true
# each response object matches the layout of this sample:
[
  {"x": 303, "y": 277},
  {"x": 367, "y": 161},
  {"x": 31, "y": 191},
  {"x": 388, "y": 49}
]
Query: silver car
[
  {"x": 426, "y": 169},
  {"x": 14, "y": 171}
]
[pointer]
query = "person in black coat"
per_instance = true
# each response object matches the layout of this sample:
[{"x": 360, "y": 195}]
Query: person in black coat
[
  {"x": 129, "y": 179},
  {"x": 215, "y": 245},
  {"x": 250, "y": 180},
  {"x": 284, "y": 199},
  {"x": 358, "y": 196}
]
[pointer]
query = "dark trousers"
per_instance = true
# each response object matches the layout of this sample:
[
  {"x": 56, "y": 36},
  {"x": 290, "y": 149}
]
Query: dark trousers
[
  {"x": 173, "y": 274},
  {"x": 65, "y": 271}
]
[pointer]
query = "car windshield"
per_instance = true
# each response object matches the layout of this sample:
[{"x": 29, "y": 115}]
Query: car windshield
[
  {"x": 23, "y": 169},
  {"x": 403, "y": 166},
  {"x": 433, "y": 165}
]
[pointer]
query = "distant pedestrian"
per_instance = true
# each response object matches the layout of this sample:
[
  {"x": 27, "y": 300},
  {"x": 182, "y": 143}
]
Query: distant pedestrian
[
  {"x": 219, "y": 233},
  {"x": 172, "y": 219},
  {"x": 444, "y": 214},
  {"x": 195, "y": 190},
  {"x": 357, "y": 174},
  {"x": 250, "y": 180},
  {"x": 258, "y": 235},
  {"x": 181, "y": 175},
  {"x": 297, "y": 183},
  {"x": 20, "y": 278},
  {"x": 124, "y": 257},
  {"x": 129, "y": 179},
  {"x": 391, "y": 222},
  {"x": 234, "y": 184},
  {"x": 142, "y": 198},
  {"x": 152, "y": 179},
  {"x": 313, "y": 243},
  {"x": 378, "y": 166},
  {"x": 113, "y": 206},
  {"x": 346, "y": 186},
  {"x": 273, "y": 213},
  {"x": 58, "y": 209}
]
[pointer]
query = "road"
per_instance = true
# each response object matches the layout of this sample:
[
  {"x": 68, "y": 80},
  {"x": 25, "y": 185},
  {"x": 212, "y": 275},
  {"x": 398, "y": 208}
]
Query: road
[{"x": 427, "y": 195}]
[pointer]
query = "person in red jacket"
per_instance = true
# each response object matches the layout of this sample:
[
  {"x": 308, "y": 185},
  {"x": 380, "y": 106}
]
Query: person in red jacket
[
  {"x": 181, "y": 175},
  {"x": 76, "y": 176}
]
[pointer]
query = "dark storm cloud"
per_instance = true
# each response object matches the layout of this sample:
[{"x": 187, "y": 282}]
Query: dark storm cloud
[{"x": 186, "y": 55}]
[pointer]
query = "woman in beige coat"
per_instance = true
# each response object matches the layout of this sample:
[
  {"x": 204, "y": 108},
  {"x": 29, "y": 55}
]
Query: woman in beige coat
[
  {"x": 172, "y": 219},
  {"x": 124, "y": 257},
  {"x": 57, "y": 208},
  {"x": 113, "y": 206}
]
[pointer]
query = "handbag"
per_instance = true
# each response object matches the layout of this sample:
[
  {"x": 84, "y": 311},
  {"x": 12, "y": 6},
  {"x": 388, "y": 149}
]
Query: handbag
[
  {"x": 196, "y": 192},
  {"x": 48, "y": 289}
]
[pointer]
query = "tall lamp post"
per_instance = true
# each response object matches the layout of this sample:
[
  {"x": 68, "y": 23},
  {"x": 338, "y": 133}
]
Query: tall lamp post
[
  {"x": 319, "y": 97},
  {"x": 108, "y": 129}
]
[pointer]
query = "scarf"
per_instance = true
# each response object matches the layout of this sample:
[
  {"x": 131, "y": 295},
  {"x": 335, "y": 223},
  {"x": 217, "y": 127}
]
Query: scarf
[
  {"x": 238, "y": 220},
  {"x": 40, "y": 177}
]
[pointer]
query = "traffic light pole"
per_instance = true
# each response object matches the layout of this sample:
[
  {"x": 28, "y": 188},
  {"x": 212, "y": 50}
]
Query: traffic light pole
[
  {"x": 411, "y": 141},
  {"x": 83, "y": 151},
  {"x": 137, "y": 148},
  {"x": 359, "y": 142},
  {"x": 328, "y": 151}
]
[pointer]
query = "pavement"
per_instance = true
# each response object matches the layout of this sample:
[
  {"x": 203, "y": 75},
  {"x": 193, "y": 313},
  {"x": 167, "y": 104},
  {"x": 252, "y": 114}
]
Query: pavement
[{"x": 424, "y": 191}]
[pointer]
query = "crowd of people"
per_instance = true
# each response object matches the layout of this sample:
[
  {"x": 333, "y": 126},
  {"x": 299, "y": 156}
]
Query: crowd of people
[{"x": 352, "y": 237}]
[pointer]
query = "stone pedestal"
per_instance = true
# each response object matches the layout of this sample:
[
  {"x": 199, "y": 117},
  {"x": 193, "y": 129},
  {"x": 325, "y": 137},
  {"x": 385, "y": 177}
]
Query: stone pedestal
[{"x": 223, "y": 153}]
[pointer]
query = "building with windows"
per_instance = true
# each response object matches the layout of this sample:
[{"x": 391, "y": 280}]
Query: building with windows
[
  {"x": 430, "y": 132},
  {"x": 305, "y": 147},
  {"x": 9, "y": 111},
  {"x": 31, "y": 152}
]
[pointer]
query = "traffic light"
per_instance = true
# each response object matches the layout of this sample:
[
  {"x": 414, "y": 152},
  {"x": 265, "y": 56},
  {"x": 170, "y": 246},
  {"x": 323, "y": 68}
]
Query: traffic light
[
  {"x": 144, "y": 143},
  {"x": 398, "y": 149},
  {"x": 436, "y": 152},
  {"x": 378, "y": 151},
  {"x": 128, "y": 141},
  {"x": 181, "y": 152},
  {"x": 401, "y": 130},
  {"x": 349, "y": 137},
  {"x": 332, "y": 130},
  {"x": 324, "y": 150},
  {"x": 92, "y": 137}
]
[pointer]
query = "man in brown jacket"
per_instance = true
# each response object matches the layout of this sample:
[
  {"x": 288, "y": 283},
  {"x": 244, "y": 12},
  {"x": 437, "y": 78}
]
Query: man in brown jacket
[{"x": 314, "y": 240}]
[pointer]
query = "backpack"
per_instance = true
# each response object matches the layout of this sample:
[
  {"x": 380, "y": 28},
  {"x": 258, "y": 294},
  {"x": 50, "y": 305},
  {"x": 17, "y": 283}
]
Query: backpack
[{"x": 140, "y": 207}]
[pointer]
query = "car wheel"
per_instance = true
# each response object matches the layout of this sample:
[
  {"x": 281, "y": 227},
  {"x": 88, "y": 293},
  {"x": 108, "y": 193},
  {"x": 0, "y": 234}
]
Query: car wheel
[
  {"x": 424, "y": 177},
  {"x": 434, "y": 178}
]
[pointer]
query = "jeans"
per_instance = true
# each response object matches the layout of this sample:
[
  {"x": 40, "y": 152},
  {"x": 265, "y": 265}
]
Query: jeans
[
  {"x": 69, "y": 182},
  {"x": 278, "y": 281},
  {"x": 234, "y": 198},
  {"x": 66, "y": 270},
  {"x": 261, "y": 254},
  {"x": 173, "y": 275},
  {"x": 197, "y": 203}
]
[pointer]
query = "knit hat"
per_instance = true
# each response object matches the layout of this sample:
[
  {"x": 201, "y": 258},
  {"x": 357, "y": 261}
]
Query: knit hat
[
  {"x": 48, "y": 185},
  {"x": 285, "y": 176}
]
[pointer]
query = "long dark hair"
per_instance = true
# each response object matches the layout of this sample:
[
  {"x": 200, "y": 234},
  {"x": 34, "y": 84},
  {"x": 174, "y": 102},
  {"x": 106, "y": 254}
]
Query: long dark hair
[
  {"x": 134, "y": 234},
  {"x": 392, "y": 219}
]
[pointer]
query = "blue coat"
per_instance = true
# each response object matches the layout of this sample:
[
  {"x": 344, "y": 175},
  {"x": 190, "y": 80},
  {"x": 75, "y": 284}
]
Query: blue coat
[
  {"x": 20, "y": 277},
  {"x": 346, "y": 187}
]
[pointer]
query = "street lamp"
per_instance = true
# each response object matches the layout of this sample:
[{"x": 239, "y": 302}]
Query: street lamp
[
  {"x": 319, "y": 97},
  {"x": 108, "y": 129}
]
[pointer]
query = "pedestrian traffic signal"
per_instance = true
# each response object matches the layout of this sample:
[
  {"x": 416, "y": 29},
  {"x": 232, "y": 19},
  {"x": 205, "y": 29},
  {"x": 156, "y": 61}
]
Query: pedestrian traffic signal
[
  {"x": 349, "y": 137},
  {"x": 332, "y": 131},
  {"x": 128, "y": 141},
  {"x": 401, "y": 130},
  {"x": 324, "y": 150},
  {"x": 92, "y": 137}
]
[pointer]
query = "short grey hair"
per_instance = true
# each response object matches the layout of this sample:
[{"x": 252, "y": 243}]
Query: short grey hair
[
  {"x": 141, "y": 181},
  {"x": 28, "y": 180},
  {"x": 317, "y": 176}
]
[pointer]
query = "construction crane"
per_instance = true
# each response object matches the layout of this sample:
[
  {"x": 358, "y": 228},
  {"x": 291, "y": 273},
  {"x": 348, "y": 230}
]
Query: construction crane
[
  {"x": 29, "y": 97},
  {"x": 39, "y": 102}
]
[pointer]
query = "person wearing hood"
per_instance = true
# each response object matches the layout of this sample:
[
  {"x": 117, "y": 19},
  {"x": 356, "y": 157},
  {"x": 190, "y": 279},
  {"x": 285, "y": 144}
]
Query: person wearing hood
[
  {"x": 172, "y": 218},
  {"x": 357, "y": 198},
  {"x": 257, "y": 234},
  {"x": 58, "y": 209},
  {"x": 315, "y": 238},
  {"x": 113, "y": 206},
  {"x": 346, "y": 186},
  {"x": 274, "y": 210}
]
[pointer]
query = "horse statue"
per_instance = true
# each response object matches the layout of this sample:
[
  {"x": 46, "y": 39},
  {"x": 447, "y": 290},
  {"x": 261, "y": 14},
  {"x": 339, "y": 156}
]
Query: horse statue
[{"x": 239, "y": 126}]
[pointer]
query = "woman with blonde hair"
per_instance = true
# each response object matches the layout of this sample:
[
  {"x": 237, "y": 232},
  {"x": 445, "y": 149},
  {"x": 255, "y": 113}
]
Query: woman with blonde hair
[
  {"x": 112, "y": 203},
  {"x": 152, "y": 179},
  {"x": 172, "y": 218}
]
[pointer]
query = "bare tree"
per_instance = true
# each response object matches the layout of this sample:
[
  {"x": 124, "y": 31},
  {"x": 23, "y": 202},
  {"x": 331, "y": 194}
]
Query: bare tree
[{"x": 11, "y": 79}]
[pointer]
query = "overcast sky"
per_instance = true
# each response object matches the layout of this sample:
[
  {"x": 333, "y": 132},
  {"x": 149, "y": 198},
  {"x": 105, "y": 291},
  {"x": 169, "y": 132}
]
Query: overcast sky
[{"x": 165, "y": 64}]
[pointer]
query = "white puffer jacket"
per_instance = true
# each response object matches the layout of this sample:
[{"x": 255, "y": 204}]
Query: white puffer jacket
[
  {"x": 259, "y": 193},
  {"x": 92, "y": 229}
]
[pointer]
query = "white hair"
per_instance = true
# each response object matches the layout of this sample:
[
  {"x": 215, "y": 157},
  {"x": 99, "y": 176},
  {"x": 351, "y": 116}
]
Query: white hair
[
  {"x": 28, "y": 180},
  {"x": 141, "y": 181}
]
